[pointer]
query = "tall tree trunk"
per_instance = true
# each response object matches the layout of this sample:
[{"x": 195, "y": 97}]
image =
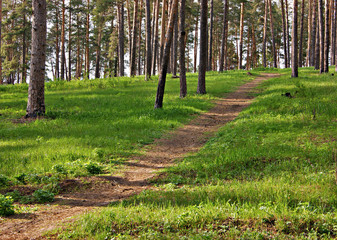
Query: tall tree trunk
[
  {"x": 223, "y": 53},
  {"x": 121, "y": 39},
  {"x": 203, "y": 48},
  {"x": 24, "y": 49},
  {"x": 294, "y": 44},
  {"x": 155, "y": 40},
  {"x": 148, "y": 41},
  {"x": 78, "y": 53},
  {"x": 321, "y": 30},
  {"x": 210, "y": 49},
  {"x": 317, "y": 48},
  {"x": 264, "y": 43},
  {"x": 313, "y": 43},
  {"x": 272, "y": 34},
  {"x": 309, "y": 33},
  {"x": 284, "y": 35},
  {"x": 87, "y": 60},
  {"x": 300, "y": 52},
  {"x": 326, "y": 37},
  {"x": 196, "y": 43},
  {"x": 134, "y": 39},
  {"x": 182, "y": 43},
  {"x": 333, "y": 29},
  {"x": 98, "y": 52},
  {"x": 241, "y": 36},
  {"x": 63, "y": 53},
  {"x": 163, "y": 32},
  {"x": 129, "y": 29},
  {"x": 175, "y": 49},
  {"x": 57, "y": 62},
  {"x": 36, "y": 105},
  {"x": 288, "y": 35},
  {"x": 139, "y": 43},
  {"x": 248, "y": 63},
  {"x": 166, "y": 56},
  {"x": 69, "y": 43},
  {"x": 254, "y": 53}
]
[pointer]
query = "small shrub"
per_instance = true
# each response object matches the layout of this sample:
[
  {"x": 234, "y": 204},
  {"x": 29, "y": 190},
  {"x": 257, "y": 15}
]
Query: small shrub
[
  {"x": 43, "y": 196},
  {"x": 93, "y": 168},
  {"x": 15, "y": 195},
  {"x": 3, "y": 180},
  {"x": 60, "y": 169},
  {"x": 21, "y": 178},
  {"x": 6, "y": 205}
]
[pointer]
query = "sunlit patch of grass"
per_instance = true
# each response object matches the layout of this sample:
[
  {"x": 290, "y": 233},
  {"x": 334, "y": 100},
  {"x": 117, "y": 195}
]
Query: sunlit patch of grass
[
  {"x": 114, "y": 115},
  {"x": 270, "y": 174}
]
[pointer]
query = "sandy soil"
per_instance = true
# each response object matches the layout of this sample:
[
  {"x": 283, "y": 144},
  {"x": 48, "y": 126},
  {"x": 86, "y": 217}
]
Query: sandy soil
[{"x": 99, "y": 191}]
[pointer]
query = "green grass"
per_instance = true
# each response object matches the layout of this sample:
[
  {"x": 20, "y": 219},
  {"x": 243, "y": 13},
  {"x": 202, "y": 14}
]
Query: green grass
[
  {"x": 267, "y": 175},
  {"x": 96, "y": 121}
]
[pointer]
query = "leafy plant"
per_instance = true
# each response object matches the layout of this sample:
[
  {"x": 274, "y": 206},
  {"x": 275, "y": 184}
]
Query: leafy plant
[
  {"x": 6, "y": 205},
  {"x": 93, "y": 168},
  {"x": 3, "y": 180},
  {"x": 43, "y": 196}
]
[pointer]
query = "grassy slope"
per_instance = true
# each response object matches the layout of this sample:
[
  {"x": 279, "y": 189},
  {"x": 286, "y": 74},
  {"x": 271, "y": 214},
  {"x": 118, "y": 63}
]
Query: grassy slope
[
  {"x": 100, "y": 120},
  {"x": 268, "y": 174}
]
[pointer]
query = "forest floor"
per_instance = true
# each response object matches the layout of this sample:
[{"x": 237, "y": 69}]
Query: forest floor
[{"x": 92, "y": 193}]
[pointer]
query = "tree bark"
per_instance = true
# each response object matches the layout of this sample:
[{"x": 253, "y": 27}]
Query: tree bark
[
  {"x": 326, "y": 37},
  {"x": 272, "y": 34},
  {"x": 162, "y": 35},
  {"x": 241, "y": 36},
  {"x": 166, "y": 56},
  {"x": 288, "y": 35},
  {"x": 317, "y": 48},
  {"x": 321, "y": 35},
  {"x": 1, "y": 81},
  {"x": 309, "y": 33},
  {"x": 294, "y": 44},
  {"x": 333, "y": 28},
  {"x": 63, "y": 53},
  {"x": 155, "y": 40},
  {"x": 174, "y": 64},
  {"x": 183, "y": 85},
  {"x": 69, "y": 44},
  {"x": 284, "y": 35},
  {"x": 98, "y": 51},
  {"x": 134, "y": 39},
  {"x": 36, "y": 105},
  {"x": 203, "y": 48},
  {"x": 87, "y": 60},
  {"x": 121, "y": 39},
  {"x": 24, "y": 48},
  {"x": 313, "y": 44},
  {"x": 148, "y": 41},
  {"x": 196, "y": 43},
  {"x": 210, "y": 49},
  {"x": 264, "y": 43},
  {"x": 223, "y": 53},
  {"x": 300, "y": 52}
]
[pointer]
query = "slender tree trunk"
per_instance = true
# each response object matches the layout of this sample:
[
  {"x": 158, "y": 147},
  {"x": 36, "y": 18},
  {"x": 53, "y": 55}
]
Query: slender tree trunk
[
  {"x": 210, "y": 49},
  {"x": 203, "y": 48},
  {"x": 98, "y": 52},
  {"x": 333, "y": 29},
  {"x": 272, "y": 34},
  {"x": 134, "y": 39},
  {"x": 175, "y": 49},
  {"x": 196, "y": 43},
  {"x": 313, "y": 43},
  {"x": 130, "y": 29},
  {"x": 87, "y": 60},
  {"x": 69, "y": 43},
  {"x": 155, "y": 40},
  {"x": 300, "y": 58},
  {"x": 78, "y": 53},
  {"x": 264, "y": 43},
  {"x": 36, "y": 105},
  {"x": 121, "y": 39},
  {"x": 248, "y": 51},
  {"x": 294, "y": 44},
  {"x": 326, "y": 37},
  {"x": 63, "y": 53},
  {"x": 182, "y": 43},
  {"x": 317, "y": 48},
  {"x": 241, "y": 36},
  {"x": 148, "y": 41},
  {"x": 321, "y": 30},
  {"x": 166, "y": 56},
  {"x": 57, "y": 67},
  {"x": 163, "y": 32},
  {"x": 24, "y": 49},
  {"x": 308, "y": 51},
  {"x": 223, "y": 53},
  {"x": 288, "y": 35},
  {"x": 139, "y": 43},
  {"x": 284, "y": 35},
  {"x": 254, "y": 53}
]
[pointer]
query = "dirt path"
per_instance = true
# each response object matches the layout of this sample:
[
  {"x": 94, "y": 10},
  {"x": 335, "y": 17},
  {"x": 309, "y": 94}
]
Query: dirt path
[{"x": 102, "y": 190}]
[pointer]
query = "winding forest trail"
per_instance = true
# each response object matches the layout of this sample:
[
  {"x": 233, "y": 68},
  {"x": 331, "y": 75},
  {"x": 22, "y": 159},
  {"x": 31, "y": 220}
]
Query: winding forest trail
[{"x": 102, "y": 190}]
